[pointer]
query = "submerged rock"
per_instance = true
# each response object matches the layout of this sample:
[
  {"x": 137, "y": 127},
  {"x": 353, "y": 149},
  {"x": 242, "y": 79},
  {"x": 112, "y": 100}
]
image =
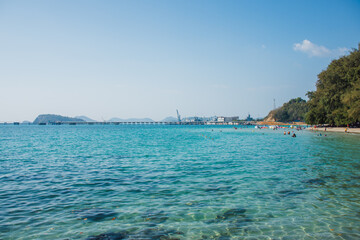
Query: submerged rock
[
  {"x": 287, "y": 193},
  {"x": 236, "y": 212},
  {"x": 147, "y": 233},
  {"x": 316, "y": 181},
  {"x": 155, "y": 216},
  {"x": 96, "y": 214},
  {"x": 155, "y": 234},
  {"x": 109, "y": 236},
  {"x": 235, "y": 219},
  {"x": 220, "y": 189}
]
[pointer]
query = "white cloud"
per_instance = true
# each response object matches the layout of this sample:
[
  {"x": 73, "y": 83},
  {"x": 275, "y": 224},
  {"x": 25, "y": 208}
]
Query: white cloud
[{"x": 314, "y": 50}]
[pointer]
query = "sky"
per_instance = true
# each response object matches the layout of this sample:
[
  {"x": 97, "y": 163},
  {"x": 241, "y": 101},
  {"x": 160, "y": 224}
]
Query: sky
[{"x": 125, "y": 59}]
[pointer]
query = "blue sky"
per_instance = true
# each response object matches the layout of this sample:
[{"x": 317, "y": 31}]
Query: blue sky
[{"x": 127, "y": 59}]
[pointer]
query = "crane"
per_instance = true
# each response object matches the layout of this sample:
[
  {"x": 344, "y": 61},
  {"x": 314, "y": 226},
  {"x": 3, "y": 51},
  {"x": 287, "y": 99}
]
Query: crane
[{"x": 178, "y": 116}]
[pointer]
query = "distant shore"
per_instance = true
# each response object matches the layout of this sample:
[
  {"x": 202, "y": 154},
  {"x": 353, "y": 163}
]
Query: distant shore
[{"x": 336, "y": 129}]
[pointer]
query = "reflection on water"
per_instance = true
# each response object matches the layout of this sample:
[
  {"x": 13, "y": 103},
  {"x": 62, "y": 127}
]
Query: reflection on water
[{"x": 177, "y": 182}]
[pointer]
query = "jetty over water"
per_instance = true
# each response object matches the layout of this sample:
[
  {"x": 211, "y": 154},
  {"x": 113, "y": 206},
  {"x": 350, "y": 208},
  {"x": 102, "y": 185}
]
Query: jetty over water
[
  {"x": 115, "y": 123},
  {"x": 129, "y": 123},
  {"x": 133, "y": 123}
]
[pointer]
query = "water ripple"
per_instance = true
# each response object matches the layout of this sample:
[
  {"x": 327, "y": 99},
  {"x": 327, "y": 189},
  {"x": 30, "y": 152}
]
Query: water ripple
[{"x": 171, "y": 182}]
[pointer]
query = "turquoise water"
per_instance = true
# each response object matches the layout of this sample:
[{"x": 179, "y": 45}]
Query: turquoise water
[{"x": 177, "y": 182}]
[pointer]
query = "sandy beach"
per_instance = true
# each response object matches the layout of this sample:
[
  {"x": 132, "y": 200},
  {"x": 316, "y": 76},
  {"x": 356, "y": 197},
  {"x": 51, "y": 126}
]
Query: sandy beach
[
  {"x": 281, "y": 123},
  {"x": 336, "y": 129}
]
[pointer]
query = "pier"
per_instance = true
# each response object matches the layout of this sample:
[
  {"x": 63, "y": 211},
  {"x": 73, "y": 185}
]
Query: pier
[
  {"x": 133, "y": 123},
  {"x": 127, "y": 123}
]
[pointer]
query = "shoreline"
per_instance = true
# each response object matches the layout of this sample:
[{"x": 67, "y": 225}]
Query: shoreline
[
  {"x": 336, "y": 129},
  {"x": 281, "y": 123}
]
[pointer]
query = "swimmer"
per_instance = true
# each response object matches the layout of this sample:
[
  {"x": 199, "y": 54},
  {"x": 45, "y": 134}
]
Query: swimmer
[
  {"x": 288, "y": 132},
  {"x": 284, "y": 132},
  {"x": 294, "y": 135}
]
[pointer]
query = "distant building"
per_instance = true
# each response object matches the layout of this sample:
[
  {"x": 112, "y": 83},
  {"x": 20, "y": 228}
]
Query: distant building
[
  {"x": 227, "y": 119},
  {"x": 220, "y": 119},
  {"x": 231, "y": 119},
  {"x": 192, "y": 119},
  {"x": 249, "y": 118}
]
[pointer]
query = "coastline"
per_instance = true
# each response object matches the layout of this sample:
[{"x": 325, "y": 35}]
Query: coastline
[
  {"x": 281, "y": 123},
  {"x": 336, "y": 129}
]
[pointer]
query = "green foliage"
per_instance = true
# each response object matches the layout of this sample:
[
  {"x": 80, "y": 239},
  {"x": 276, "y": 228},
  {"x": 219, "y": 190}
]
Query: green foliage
[
  {"x": 294, "y": 110},
  {"x": 336, "y": 100}
]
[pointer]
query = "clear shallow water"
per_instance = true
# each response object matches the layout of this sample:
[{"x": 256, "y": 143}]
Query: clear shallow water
[{"x": 177, "y": 182}]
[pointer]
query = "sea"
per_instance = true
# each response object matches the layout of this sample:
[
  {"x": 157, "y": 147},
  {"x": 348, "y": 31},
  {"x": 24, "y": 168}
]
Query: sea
[{"x": 106, "y": 182}]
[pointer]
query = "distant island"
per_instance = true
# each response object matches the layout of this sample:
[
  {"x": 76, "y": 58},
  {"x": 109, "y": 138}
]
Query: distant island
[
  {"x": 86, "y": 119},
  {"x": 53, "y": 118},
  {"x": 170, "y": 119}
]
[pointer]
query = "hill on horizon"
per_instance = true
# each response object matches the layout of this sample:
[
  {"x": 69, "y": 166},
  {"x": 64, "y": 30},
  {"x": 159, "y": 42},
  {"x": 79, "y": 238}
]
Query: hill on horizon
[
  {"x": 294, "y": 110},
  {"x": 170, "y": 119},
  {"x": 52, "y": 118},
  {"x": 86, "y": 119}
]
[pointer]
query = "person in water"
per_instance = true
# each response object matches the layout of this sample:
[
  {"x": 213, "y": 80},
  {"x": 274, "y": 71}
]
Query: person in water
[
  {"x": 288, "y": 132},
  {"x": 294, "y": 135}
]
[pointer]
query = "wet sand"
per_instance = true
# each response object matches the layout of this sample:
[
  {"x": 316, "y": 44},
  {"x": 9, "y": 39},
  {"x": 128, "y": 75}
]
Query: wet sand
[{"x": 336, "y": 129}]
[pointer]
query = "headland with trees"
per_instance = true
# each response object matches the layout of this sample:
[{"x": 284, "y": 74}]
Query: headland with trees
[{"x": 336, "y": 100}]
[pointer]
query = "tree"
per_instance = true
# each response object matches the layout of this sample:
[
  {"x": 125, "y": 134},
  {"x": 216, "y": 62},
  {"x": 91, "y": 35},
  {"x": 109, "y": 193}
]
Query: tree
[{"x": 336, "y": 100}]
